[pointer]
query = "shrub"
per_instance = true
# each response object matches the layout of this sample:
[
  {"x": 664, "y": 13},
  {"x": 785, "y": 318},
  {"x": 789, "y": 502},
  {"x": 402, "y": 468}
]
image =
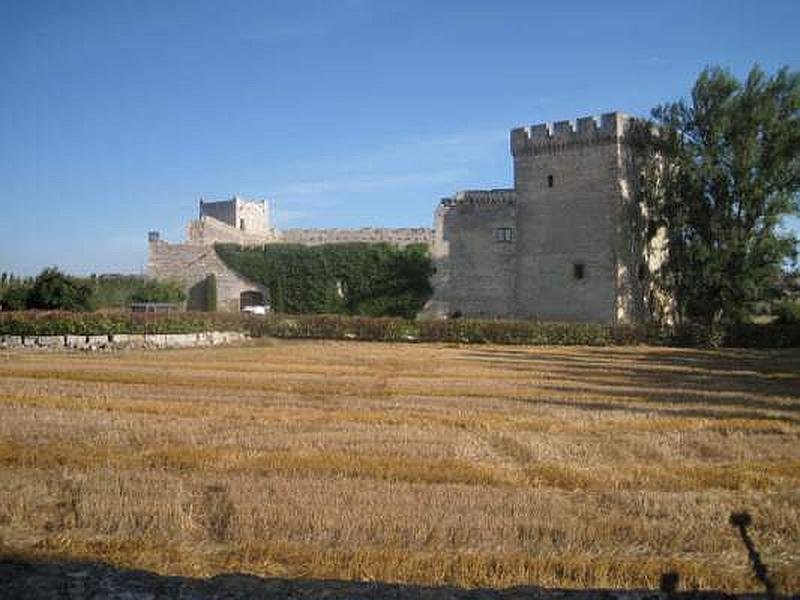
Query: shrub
[
  {"x": 788, "y": 312},
  {"x": 15, "y": 297},
  {"x": 150, "y": 290},
  {"x": 52, "y": 290},
  {"x": 771, "y": 335}
]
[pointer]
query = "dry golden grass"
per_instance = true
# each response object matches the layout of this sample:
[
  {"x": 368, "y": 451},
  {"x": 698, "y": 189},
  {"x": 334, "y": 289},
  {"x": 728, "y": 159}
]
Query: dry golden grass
[{"x": 492, "y": 466}]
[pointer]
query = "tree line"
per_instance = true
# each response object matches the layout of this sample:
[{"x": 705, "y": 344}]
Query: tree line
[{"x": 54, "y": 290}]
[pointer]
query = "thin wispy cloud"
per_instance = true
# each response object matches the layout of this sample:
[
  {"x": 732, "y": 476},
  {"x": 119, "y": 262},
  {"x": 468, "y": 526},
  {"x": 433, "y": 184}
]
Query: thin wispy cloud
[
  {"x": 283, "y": 217},
  {"x": 430, "y": 159},
  {"x": 366, "y": 184},
  {"x": 652, "y": 61},
  {"x": 403, "y": 167}
]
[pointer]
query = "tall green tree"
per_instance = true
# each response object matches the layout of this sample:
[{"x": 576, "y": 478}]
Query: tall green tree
[
  {"x": 53, "y": 290},
  {"x": 720, "y": 173}
]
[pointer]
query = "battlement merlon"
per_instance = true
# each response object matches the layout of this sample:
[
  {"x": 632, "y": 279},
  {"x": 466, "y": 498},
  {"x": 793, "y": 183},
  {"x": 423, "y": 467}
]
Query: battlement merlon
[
  {"x": 496, "y": 196},
  {"x": 584, "y": 131}
]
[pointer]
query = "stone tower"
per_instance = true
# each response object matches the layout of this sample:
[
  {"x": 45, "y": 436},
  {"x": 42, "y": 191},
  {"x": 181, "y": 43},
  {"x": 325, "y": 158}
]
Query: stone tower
[
  {"x": 249, "y": 216},
  {"x": 562, "y": 245}
]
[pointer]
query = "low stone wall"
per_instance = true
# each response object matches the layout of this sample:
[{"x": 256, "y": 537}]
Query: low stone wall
[{"x": 119, "y": 340}]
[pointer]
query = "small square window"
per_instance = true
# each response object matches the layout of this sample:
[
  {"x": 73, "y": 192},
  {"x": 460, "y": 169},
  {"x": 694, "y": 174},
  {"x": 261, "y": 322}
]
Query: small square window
[
  {"x": 550, "y": 181},
  {"x": 579, "y": 270},
  {"x": 504, "y": 234}
]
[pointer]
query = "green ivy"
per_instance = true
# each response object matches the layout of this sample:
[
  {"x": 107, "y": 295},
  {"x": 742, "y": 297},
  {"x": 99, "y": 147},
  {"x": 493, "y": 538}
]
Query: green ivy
[
  {"x": 211, "y": 293},
  {"x": 354, "y": 279}
]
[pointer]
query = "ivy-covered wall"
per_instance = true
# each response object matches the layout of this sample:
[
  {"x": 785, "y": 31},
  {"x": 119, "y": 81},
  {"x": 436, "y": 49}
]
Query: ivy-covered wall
[{"x": 356, "y": 279}]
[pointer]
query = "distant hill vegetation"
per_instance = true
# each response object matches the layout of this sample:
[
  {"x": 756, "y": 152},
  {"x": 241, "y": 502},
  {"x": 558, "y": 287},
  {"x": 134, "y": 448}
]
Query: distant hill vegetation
[{"x": 357, "y": 279}]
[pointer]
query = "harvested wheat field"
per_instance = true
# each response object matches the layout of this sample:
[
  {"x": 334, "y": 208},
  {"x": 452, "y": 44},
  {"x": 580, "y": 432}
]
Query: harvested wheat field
[{"x": 475, "y": 466}]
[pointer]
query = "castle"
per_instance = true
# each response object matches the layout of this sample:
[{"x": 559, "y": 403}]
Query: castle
[{"x": 564, "y": 243}]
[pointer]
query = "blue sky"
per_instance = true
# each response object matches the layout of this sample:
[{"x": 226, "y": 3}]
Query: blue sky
[{"x": 117, "y": 116}]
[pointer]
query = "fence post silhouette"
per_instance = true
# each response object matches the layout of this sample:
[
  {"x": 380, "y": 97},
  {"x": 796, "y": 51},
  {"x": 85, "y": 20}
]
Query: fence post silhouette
[
  {"x": 742, "y": 521},
  {"x": 669, "y": 583}
]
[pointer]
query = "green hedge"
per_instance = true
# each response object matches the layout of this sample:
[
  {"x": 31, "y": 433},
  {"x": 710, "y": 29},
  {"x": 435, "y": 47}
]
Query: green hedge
[
  {"x": 341, "y": 327},
  {"x": 533, "y": 333},
  {"x": 354, "y": 279},
  {"x": 454, "y": 330}
]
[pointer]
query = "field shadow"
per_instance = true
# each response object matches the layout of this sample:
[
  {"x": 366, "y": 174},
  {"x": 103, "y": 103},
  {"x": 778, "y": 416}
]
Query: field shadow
[
  {"x": 23, "y": 578},
  {"x": 695, "y": 413},
  {"x": 742, "y": 383}
]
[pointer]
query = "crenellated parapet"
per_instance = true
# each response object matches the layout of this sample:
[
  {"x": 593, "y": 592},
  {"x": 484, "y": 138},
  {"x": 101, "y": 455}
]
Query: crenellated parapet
[
  {"x": 481, "y": 199},
  {"x": 549, "y": 138}
]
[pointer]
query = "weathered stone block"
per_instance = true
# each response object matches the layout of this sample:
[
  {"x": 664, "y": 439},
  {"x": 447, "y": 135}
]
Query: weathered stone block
[
  {"x": 50, "y": 341},
  {"x": 127, "y": 340},
  {"x": 75, "y": 341},
  {"x": 11, "y": 341},
  {"x": 96, "y": 342}
]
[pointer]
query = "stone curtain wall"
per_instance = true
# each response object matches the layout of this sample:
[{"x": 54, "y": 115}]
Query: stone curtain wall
[
  {"x": 314, "y": 237},
  {"x": 207, "y": 231},
  {"x": 191, "y": 264}
]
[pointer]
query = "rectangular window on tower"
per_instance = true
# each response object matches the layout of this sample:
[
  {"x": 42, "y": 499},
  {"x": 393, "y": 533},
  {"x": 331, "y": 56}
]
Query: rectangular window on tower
[{"x": 504, "y": 234}]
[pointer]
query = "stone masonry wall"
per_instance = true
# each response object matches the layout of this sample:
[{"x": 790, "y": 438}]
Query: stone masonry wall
[
  {"x": 247, "y": 216},
  {"x": 254, "y": 216},
  {"x": 474, "y": 267},
  {"x": 208, "y": 230},
  {"x": 400, "y": 236},
  {"x": 223, "y": 211},
  {"x": 568, "y": 181},
  {"x": 190, "y": 264}
]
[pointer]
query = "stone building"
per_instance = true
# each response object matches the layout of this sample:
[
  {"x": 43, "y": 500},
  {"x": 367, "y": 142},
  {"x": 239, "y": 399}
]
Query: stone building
[{"x": 564, "y": 243}]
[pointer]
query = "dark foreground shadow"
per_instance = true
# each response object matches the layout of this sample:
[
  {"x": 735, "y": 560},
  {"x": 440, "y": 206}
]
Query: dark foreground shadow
[{"x": 24, "y": 579}]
